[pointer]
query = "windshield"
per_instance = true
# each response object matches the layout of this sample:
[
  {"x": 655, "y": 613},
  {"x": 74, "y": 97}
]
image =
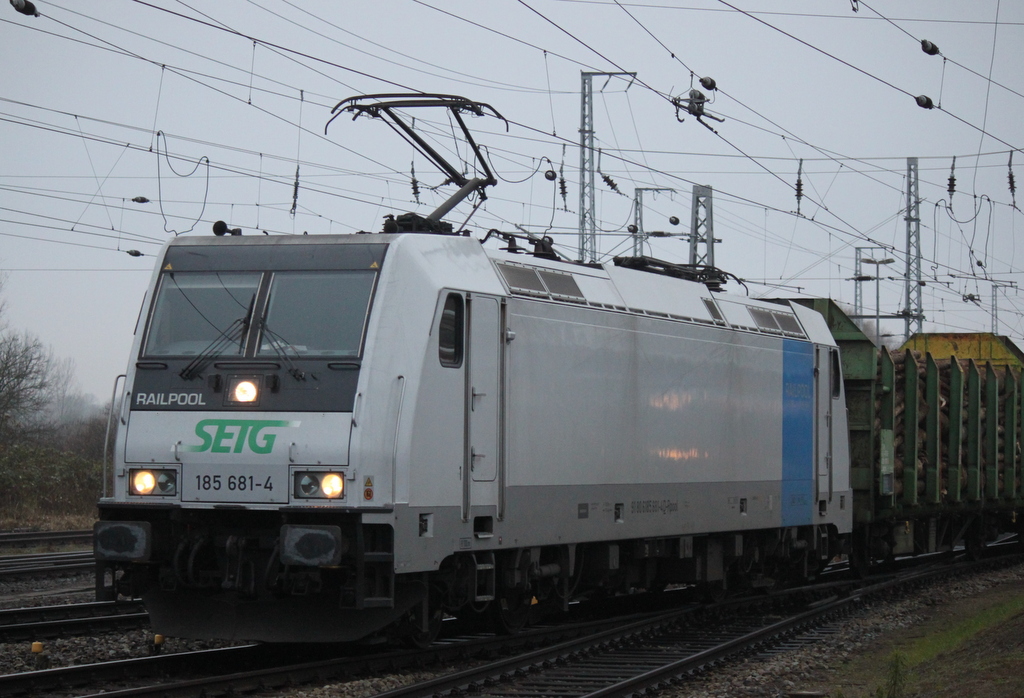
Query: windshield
[
  {"x": 316, "y": 313},
  {"x": 197, "y": 309}
]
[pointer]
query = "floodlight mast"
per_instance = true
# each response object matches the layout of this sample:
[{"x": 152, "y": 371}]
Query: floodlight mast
[{"x": 384, "y": 105}]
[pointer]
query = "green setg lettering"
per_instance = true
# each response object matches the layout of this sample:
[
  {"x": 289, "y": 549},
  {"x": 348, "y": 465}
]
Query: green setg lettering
[{"x": 232, "y": 435}]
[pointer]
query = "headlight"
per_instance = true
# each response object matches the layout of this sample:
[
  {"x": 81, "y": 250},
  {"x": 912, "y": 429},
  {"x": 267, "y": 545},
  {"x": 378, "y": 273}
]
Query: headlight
[
  {"x": 332, "y": 485},
  {"x": 319, "y": 485},
  {"x": 143, "y": 482},
  {"x": 243, "y": 390},
  {"x": 153, "y": 482}
]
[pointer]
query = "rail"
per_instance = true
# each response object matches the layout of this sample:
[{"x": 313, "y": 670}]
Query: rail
[{"x": 24, "y": 538}]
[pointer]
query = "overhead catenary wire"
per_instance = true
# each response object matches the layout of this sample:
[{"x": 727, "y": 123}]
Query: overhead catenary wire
[
  {"x": 866, "y": 73},
  {"x": 493, "y": 152},
  {"x": 987, "y": 78}
]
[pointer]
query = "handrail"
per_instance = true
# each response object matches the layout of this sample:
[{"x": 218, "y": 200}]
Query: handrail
[{"x": 106, "y": 437}]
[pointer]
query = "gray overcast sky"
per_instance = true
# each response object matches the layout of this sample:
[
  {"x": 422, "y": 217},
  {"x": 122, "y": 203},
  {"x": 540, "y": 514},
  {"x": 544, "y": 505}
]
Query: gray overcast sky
[{"x": 207, "y": 108}]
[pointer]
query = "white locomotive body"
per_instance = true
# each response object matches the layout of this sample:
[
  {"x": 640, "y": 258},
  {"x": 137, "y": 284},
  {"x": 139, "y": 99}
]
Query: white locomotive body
[{"x": 330, "y": 437}]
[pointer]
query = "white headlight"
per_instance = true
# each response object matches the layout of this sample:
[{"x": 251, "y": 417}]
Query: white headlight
[
  {"x": 332, "y": 485},
  {"x": 153, "y": 482},
  {"x": 245, "y": 391},
  {"x": 143, "y": 482}
]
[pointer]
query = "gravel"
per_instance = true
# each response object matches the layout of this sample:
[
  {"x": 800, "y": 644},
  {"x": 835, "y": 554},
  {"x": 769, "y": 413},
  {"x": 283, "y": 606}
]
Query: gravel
[
  {"x": 17, "y": 657},
  {"x": 47, "y": 591},
  {"x": 788, "y": 674}
]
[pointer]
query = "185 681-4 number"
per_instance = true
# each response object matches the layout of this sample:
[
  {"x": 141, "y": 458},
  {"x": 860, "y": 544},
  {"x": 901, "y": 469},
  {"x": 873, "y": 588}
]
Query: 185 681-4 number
[{"x": 233, "y": 483}]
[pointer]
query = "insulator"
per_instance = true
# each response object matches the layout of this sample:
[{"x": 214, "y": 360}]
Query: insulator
[
  {"x": 925, "y": 102},
  {"x": 799, "y": 185},
  {"x": 134, "y": 253},
  {"x": 951, "y": 188},
  {"x": 25, "y": 7},
  {"x": 141, "y": 200},
  {"x": 512, "y": 246},
  {"x": 695, "y": 105},
  {"x": 929, "y": 48},
  {"x": 563, "y": 190},
  {"x": 673, "y": 220},
  {"x": 550, "y": 175},
  {"x": 416, "y": 189},
  {"x": 295, "y": 193},
  {"x": 1009, "y": 178},
  {"x": 631, "y": 229},
  {"x": 611, "y": 183},
  {"x": 708, "y": 83}
]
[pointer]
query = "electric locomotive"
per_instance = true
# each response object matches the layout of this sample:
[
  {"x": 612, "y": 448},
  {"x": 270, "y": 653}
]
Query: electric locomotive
[{"x": 329, "y": 438}]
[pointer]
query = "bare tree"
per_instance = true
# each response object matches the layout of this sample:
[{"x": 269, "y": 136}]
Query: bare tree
[{"x": 25, "y": 375}]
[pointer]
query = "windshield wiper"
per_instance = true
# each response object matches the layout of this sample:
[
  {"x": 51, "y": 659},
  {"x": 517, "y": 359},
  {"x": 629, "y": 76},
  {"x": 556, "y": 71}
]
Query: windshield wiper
[
  {"x": 280, "y": 347},
  {"x": 234, "y": 333}
]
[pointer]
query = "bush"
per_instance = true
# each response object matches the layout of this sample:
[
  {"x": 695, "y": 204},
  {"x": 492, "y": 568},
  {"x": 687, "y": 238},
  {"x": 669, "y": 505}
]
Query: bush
[{"x": 39, "y": 482}]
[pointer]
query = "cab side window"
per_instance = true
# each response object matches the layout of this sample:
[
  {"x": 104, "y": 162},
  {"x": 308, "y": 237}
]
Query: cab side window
[
  {"x": 836, "y": 373},
  {"x": 452, "y": 331}
]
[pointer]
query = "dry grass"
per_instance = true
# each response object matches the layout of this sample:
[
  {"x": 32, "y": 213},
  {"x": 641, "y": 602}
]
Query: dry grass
[{"x": 39, "y": 521}]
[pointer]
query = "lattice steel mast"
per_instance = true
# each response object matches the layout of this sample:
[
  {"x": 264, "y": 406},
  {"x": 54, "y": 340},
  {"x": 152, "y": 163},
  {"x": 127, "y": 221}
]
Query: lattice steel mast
[
  {"x": 588, "y": 193},
  {"x": 912, "y": 309}
]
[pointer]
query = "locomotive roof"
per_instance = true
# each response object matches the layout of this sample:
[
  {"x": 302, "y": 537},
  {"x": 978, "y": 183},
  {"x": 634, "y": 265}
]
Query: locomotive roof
[{"x": 607, "y": 286}]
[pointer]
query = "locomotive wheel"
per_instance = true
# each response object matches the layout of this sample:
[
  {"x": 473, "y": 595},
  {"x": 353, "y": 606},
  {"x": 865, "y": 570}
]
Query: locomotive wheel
[
  {"x": 714, "y": 592},
  {"x": 418, "y": 638},
  {"x": 511, "y": 610}
]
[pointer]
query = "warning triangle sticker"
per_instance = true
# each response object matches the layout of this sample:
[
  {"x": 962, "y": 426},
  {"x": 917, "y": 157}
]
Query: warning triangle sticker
[
  {"x": 374, "y": 266},
  {"x": 168, "y": 267},
  {"x": 368, "y": 482}
]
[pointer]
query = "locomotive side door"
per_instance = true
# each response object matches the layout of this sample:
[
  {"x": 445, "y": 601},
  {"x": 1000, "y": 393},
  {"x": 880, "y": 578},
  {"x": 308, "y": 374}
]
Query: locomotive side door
[
  {"x": 482, "y": 458},
  {"x": 825, "y": 383}
]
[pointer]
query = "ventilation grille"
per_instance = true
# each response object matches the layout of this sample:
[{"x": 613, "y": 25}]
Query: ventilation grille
[
  {"x": 776, "y": 323},
  {"x": 553, "y": 285},
  {"x": 541, "y": 283}
]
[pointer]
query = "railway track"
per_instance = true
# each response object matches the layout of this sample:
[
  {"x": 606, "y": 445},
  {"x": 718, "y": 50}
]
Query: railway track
[
  {"x": 230, "y": 669},
  {"x": 608, "y": 657},
  {"x": 44, "y": 622},
  {"x": 648, "y": 658},
  {"x": 26, "y": 538},
  {"x": 45, "y": 564},
  {"x": 232, "y": 674}
]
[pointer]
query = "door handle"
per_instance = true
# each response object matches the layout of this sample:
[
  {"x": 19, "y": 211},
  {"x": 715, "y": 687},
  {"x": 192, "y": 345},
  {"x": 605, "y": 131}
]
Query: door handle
[
  {"x": 473, "y": 455},
  {"x": 473, "y": 395}
]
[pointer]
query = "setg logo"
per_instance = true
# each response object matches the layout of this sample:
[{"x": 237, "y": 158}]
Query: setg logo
[{"x": 232, "y": 435}]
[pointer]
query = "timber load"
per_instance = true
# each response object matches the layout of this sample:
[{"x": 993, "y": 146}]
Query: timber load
[{"x": 955, "y": 431}]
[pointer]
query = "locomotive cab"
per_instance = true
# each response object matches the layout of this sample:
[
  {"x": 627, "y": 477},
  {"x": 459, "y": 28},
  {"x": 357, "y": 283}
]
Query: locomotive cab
[{"x": 233, "y": 483}]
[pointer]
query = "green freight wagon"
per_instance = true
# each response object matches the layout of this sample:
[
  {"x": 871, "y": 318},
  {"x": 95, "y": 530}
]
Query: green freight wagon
[{"x": 935, "y": 439}]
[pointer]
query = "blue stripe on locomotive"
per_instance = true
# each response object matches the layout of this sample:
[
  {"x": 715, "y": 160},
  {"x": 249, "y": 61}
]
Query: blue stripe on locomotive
[{"x": 797, "y": 433}]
